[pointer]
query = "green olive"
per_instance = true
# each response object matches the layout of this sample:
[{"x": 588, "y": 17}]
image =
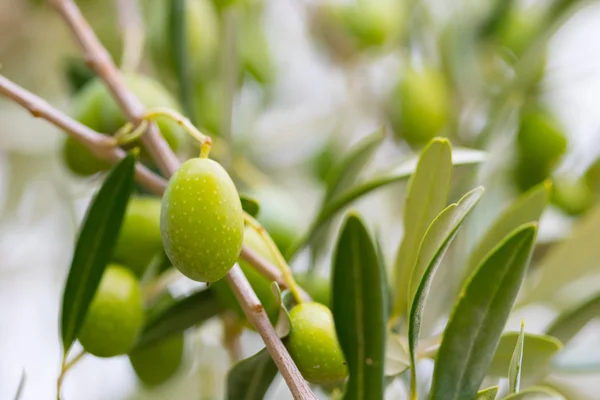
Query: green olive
[
  {"x": 260, "y": 284},
  {"x": 316, "y": 286},
  {"x": 139, "y": 239},
  {"x": 420, "y": 106},
  {"x": 202, "y": 222},
  {"x": 518, "y": 29},
  {"x": 96, "y": 108},
  {"x": 529, "y": 172},
  {"x": 541, "y": 137},
  {"x": 115, "y": 316},
  {"x": 313, "y": 344},
  {"x": 573, "y": 196}
]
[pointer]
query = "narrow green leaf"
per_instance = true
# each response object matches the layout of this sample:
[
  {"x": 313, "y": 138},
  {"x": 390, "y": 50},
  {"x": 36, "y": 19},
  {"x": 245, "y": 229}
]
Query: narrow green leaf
[
  {"x": 436, "y": 242},
  {"x": 540, "y": 349},
  {"x": 182, "y": 314},
  {"x": 535, "y": 393},
  {"x": 250, "y": 379},
  {"x": 359, "y": 309},
  {"x": 516, "y": 362},
  {"x": 346, "y": 171},
  {"x": 179, "y": 44},
  {"x": 568, "y": 323},
  {"x": 93, "y": 251},
  {"x": 487, "y": 394},
  {"x": 580, "y": 252},
  {"x": 397, "y": 359},
  {"x": 396, "y": 174},
  {"x": 527, "y": 208},
  {"x": 284, "y": 299},
  {"x": 476, "y": 324},
  {"x": 426, "y": 197},
  {"x": 250, "y": 205}
]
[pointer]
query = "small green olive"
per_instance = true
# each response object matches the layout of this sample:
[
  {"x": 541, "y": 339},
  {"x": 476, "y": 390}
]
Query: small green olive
[
  {"x": 313, "y": 344},
  {"x": 573, "y": 196},
  {"x": 260, "y": 284},
  {"x": 316, "y": 286},
  {"x": 115, "y": 316},
  {"x": 139, "y": 239},
  {"x": 156, "y": 363},
  {"x": 420, "y": 106},
  {"x": 540, "y": 137},
  {"x": 202, "y": 222}
]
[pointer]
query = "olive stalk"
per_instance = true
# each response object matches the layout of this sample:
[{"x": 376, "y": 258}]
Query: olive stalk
[
  {"x": 65, "y": 367},
  {"x": 101, "y": 62}
]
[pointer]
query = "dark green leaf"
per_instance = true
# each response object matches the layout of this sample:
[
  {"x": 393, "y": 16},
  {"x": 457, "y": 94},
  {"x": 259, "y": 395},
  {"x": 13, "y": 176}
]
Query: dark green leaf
[
  {"x": 94, "y": 248},
  {"x": 426, "y": 197},
  {"x": 567, "y": 324},
  {"x": 539, "y": 351},
  {"x": 437, "y": 239},
  {"x": 397, "y": 174},
  {"x": 250, "y": 205},
  {"x": 344, "y": 173},
  {"x": 535, "y": 393},
  {"x": 487, "y": 394},
  {"x": 516, "y": 363},
  {"x": 182, "y": 314},
  {"x": 476, "y": 324},
  {"x": 178, "y": 38},
  {"x": 250, "y": 379},
  {"x": 359, "y": 305},
  {"x": 527, "y": 208},
  {"x": 285, "y": 302}
]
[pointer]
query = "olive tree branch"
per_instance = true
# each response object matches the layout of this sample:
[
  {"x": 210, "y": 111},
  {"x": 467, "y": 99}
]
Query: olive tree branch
[{"x": 99, "y": 60}]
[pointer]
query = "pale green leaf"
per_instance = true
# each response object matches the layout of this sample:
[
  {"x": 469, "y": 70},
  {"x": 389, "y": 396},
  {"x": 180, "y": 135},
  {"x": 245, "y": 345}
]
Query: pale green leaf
[
  {"x": 284, "y": 323},
  {"x": 250, "y": 379},
  {"x": 487, "y": 394},
  {"x": 535, "y": 393},
  {"x": 568, "y": 323},
  {"x": 516, "y": 363},
  {"x": 476, "y": 324},
  {"x": 397, "y": 359}
]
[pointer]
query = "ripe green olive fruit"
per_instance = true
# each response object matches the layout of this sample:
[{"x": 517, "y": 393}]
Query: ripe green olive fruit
[
  {"x": 420, "y": 106},
  {"x": 115, "y": 316},
  {"x": 202, "y": 33},
  {"x": 280, "y": 215},
  {"x": 529, "y": 172},
  {"x": 313, "y": 344},
  {"x": 540, "y": 137},
  {"x": 95, "y": 107},
  {"x": 573, "y": 196},
  {"x": 139, "y": 239},
  {"x": 518, "y": 29},
  {"x": 201, "y": 221},
  {"x": 260, "y": 284},
  {"x": 316, "y": 286},
  {"x": 156, "y": 363}
]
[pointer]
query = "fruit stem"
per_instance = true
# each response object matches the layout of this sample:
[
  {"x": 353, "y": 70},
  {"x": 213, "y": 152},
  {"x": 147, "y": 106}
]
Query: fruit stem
[
  {"x": 283, "y": 265},
  {"x": 127, "y": 134},
  {"x": 65, "y": 367}
]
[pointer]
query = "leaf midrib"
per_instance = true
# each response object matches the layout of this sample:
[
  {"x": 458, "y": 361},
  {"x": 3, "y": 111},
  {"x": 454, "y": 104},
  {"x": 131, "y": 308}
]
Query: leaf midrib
[{"x": 356, "y": 262}]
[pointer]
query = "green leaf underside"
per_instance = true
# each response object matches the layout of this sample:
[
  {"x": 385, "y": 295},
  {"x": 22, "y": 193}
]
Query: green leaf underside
[
  {"x": 396, "y": 356},
  {"x": 527, "y": 208},
  {"x": 345, "y": 173},
  {"x": 435, "y": 243},
  {"x": 94, "y": 247},
  {"x": 184, "y": 313},
  {"x": 476, "y": 324},
  {"x": 535, "y": 393},
  {"x": 427, "y": 194},
  {"x": 284, "y": 299},
  {"x": 539, "y": 351},
  {"x": 487, "y": 394},
  {"x": 580, "y": 252},
  {"x": 516, "y": 362},
  {"x": 570, "y": 322},
  {"x": 250, "y": 205},
  {"x": 359, "y": 310},
  {"x": 249, "y": 379},
  {"x": 397, "y": 174}
]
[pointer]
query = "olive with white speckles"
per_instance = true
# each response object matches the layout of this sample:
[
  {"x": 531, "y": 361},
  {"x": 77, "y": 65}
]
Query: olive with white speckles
[
  {"x": 313, "y": 344},
  {"x": 201, "y": 221}
]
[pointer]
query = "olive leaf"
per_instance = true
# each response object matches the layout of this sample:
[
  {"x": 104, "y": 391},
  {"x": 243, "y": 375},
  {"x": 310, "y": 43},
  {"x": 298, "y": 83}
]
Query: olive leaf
[
  {"x": 487, "y": 394},
  {"x": 180, "y": 315},
  {"x": 535, "y": 393},
  {"x": 284, "y": 299},
  {"x": 427, "y": 194},
  {"x": 250, "y": 205},
  {"x": 434, "y": 245},
  {"x": 571, "y": 321},
  {"x": 516, "y": 362},
  {"x": 359, "y": 309},
  {"x": 475, "y": 326},
  {"x": 397, "y": 174},
  {"x": 397, "y": 359},
  {"x": 249, "y": 379},
  {"x": 540, "y": 349},
  {"x": 94, "y": 248},
  {"x": 527, "y": 208}
]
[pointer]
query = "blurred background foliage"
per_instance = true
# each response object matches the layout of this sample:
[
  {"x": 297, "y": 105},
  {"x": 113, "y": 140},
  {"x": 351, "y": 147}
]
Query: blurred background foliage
[{"x": 287, "y": 87}]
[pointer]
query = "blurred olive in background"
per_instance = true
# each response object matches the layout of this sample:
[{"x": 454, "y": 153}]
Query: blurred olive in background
[
  {"x": 420, "y": 106},
  {"x": 315, "y": 285},
  {"x": 573, "y": 196},
  {"x": 202, "y": 34},
  {"x": 139, "y": 239},
  {"x": 95, "y": 107},
  {"x": 260, "y": 284},
  {"x": 518, "y": 29},
  {"x": 540, "y": 137}
]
